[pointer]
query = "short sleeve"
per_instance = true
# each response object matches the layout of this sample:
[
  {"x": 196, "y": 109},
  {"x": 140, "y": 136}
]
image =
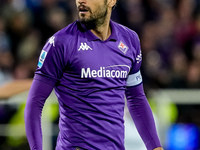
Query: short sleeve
[
  {"x": 51, "y": 62},
  {"x": 134, "y": 78}
]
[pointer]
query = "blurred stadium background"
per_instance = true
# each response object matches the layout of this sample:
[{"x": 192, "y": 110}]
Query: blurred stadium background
[{"x": 169, "y": 31}]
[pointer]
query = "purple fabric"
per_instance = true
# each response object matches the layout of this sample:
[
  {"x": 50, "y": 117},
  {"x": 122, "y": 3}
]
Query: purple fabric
[
  {"x": 89, "y": 77},
  {"x": 38, "y": 94},
  {"x": 142, "y": 116}
]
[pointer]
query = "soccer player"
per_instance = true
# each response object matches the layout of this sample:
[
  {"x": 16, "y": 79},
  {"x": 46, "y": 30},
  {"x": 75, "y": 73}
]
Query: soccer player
[{"x": 92, "y": 64}]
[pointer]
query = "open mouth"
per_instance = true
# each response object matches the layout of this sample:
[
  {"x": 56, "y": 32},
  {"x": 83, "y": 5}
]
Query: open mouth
[{"x": 82, "y": 9}]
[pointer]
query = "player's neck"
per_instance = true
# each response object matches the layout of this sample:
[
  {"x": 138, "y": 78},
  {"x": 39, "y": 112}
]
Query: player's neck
[{"x": 103, "y": 31}]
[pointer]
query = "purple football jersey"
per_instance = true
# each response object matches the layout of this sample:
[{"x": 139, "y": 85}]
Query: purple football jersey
[{"x": 90, "y": 77}]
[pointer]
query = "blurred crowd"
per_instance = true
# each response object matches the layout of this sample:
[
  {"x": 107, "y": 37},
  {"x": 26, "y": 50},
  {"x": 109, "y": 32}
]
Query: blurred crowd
[{"x": 169, "y": 32}]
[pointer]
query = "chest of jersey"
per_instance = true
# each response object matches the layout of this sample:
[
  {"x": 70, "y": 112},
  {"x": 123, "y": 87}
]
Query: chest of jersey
[{"x": 97, "y": 59}]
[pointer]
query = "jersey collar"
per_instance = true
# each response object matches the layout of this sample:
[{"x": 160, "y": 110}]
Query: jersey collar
[{"x": 91, "y": 37}]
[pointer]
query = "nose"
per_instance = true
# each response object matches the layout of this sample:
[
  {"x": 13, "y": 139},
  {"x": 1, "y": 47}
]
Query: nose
[{"x": 82, "y": 1}]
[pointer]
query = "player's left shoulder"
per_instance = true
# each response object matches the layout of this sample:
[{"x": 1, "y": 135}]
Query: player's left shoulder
[
  {"x": 128, "y": 37},
  {"x": 125, "y": 31}
]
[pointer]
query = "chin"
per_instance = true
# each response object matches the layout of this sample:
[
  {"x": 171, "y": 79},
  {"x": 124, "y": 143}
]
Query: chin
[
  {"x": 90, "y": 24},
  {"x": 83, "y": 19}
]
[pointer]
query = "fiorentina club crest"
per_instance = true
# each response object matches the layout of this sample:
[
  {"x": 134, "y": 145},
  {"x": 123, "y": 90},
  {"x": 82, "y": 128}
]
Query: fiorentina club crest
[{"x": 123, "y": 47}]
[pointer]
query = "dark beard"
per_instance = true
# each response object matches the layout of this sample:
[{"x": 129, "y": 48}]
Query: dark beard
[
  {"x": 91, "y": 24},
  {"x": 95, "y": 20},
  {"x": 94, "y": 23}
]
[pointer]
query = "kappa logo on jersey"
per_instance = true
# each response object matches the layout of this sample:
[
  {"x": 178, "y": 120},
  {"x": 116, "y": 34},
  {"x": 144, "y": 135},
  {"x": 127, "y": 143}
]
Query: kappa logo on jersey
[
  {"x": 42, "y": 58},
  {"x": 52, "y": 41},
  {"x": 123, "y": 47},
  {"x": 84, "y": 46},
  {"x": 139, "y": 57}
]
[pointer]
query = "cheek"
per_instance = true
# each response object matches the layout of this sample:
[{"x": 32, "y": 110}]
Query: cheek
[{"x": 77, "y": 3}]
